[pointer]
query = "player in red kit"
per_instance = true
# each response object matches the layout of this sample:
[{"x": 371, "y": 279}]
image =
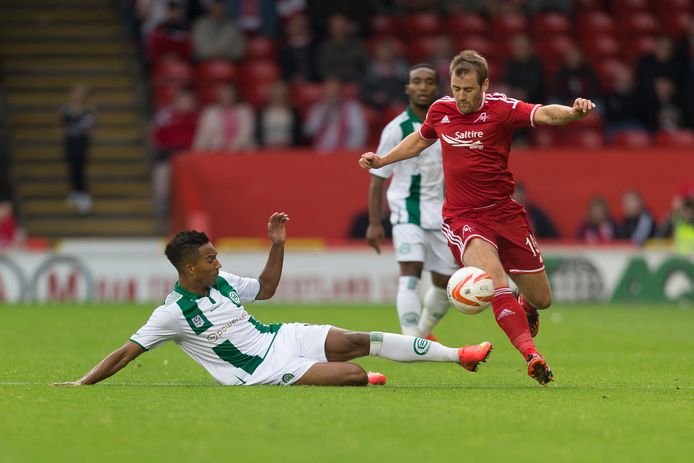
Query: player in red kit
[{"x": 485, "y": 228}]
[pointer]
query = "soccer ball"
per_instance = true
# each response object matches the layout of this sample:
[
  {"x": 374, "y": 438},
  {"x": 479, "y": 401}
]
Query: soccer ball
[{"x": 470, "y": 290}]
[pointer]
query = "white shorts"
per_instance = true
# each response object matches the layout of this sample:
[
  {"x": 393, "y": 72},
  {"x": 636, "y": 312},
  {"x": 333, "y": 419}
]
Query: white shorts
[
  {"x": 297, "y": 348},
  {"x": 414, "y": 244}
]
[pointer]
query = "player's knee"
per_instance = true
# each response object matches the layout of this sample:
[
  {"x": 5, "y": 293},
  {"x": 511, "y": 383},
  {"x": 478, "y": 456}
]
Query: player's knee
[
  {"x": 355, "y": 376},
  {"x": 543, "y": 301}
]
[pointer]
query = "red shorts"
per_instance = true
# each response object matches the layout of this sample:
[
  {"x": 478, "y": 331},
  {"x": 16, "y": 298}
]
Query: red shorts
[{"x": 506, "y": 227}]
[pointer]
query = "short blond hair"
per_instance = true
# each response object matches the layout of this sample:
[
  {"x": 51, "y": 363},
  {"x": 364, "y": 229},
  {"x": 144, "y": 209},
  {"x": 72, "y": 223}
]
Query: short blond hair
[{"x": 470, "y": 61}]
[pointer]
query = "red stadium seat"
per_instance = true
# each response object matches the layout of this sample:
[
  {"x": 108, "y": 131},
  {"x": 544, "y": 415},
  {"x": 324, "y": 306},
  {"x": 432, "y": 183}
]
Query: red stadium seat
[
  {"x": 674, "y": 7},
  {"x": 305, "y": 94},
  {"x": 636, "y": 47},
  {"x": 374, "y": 125},
  {"x": 682, "y": 138},
  {"x": 265, "y": 70},
  {"x": 509, "y": 24},
  {"x": 459, "y": 24},
  {"x": 398, "y": 45},
  {"x": 421, "y": 24},
  {"x": 628, "y": 6},
  {"x": 676, "y": 24},
  {"x": 164, "y": 94},
  {"x": 550, "y": 23},
  {"x": 215, "y": 71},
  {"x": 419, "y": 49},
  {"x": 553, "y": 47},
  {"x": 594, "y": 22},
  {"x": 589, "y": 5},
  {"x": 632, "y": 139},
  {"x": 172, "y": 71},
  {"x": 477, "y": 42},
  {"x": 383, "y": 25},
  {"x": 207, "y": 92},
  {"x": 600, "y": 46},
  {"x": 606, "y": 70},
  {"x": 637, "y": 24},
  {"x": 260, "y": 48}
]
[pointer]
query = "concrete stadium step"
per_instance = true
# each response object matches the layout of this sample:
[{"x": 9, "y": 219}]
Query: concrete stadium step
[
  {"x": 60, "y": 188},
  {"x": 30, "y": 117},
  {"x": 131, "y": 134},
  {"x": 99, "y": 206},
  {"x": 61, "y": 49},
  {"x": 46, "y": 98},
  {"x": 94, "y": 65},
  {"x": 65, "y": 82},
  {"x": 42, "y": 154},
  {"x": 53, "y": 15},
  {"x": 95, "y": 170},
  {"x": 92, "y": 226},
  {"x": 106, "y": 30}
]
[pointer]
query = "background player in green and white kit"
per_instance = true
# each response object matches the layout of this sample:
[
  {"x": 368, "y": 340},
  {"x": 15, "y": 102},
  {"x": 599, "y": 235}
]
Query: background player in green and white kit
[
  {"x": 415, "y": 198},
  {"x": 204, "y": 315}
]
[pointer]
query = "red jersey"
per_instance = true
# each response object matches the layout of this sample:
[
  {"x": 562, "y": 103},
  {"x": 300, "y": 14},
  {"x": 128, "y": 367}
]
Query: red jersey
[{"x": 475, "y": 149}]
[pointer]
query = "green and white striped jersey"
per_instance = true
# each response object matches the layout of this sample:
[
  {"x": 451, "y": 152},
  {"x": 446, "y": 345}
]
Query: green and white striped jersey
[
  {"x": 415, "y": 194},
  {"x": 215, "y": 330}
]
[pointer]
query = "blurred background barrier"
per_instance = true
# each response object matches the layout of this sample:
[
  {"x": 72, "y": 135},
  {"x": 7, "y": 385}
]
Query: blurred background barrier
[{"x": 135, "y": 271}]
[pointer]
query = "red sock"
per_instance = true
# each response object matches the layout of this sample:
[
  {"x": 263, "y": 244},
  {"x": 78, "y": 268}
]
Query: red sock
[
  {"x": 527, "y": 307},
  {"x": 511, "y": 318}
]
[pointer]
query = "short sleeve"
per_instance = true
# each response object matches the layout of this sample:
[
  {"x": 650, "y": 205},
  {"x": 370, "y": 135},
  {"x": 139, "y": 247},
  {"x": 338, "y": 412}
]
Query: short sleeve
[
  {"x": 521, "y": 115},
  {"x": 427, "y": 131},
  {"x": 246, "y": 288},
  {"x": 159, "y": 328}
]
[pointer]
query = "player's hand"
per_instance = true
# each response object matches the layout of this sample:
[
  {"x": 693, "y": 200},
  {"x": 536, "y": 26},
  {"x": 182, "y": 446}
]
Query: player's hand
[
  {"x": 370, "y": 161},
  {"x": 276, "y": 230},
  {"x": 68, "y": 383},
  {"x": 375, "y": 236},
  {"x": 583, "y": 107}
]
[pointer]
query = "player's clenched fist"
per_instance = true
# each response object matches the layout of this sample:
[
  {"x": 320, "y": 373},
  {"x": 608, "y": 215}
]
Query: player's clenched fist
[
  {"x": 370, "y": 161},
  {"x": 583, "y": 106}
]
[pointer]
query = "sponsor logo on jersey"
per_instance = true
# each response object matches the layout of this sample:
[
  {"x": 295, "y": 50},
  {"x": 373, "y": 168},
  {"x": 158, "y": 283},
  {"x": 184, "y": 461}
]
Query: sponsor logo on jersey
[
  {"x": 481, "y": 118},
  {"x": 421, "y": 346},
  {"x": 465, "y": 139},
  {"x": 212, "y": 337},
  {"x": 445, "y": 120}
]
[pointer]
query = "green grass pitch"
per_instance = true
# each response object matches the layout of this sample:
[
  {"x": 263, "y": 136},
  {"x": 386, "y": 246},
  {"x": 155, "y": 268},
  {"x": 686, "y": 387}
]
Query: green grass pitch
[{"x": 624, "y": 391}]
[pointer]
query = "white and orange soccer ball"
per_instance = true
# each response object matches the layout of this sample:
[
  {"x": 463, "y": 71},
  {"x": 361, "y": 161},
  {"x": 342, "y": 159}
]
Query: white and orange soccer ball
[{"x": 470, "y": 290}]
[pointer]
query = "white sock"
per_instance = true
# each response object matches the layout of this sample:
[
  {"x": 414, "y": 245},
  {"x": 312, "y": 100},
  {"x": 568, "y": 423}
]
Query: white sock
[
  {"x": 435, "y": 307},
  {"x": 408, "y": 304},
  {"x": 402, "y": 348}
]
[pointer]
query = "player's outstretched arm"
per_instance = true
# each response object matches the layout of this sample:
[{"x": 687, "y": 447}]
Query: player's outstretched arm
[
  {"x": 109, "y": 366},
  {"x": 375, "y": 235},
  {"x": 277, "y": 233},
  {"x": 556, "y": 114},
  {"x": 409, "y": 147}
]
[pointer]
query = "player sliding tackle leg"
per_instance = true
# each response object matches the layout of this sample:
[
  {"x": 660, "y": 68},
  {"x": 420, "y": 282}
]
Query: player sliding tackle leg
[{"x": 342, "y": 346}]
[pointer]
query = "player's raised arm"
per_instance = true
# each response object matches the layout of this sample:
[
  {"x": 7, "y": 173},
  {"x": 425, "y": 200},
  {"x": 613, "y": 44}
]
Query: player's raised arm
[
  {"x": 556, "y": 114},
  {"x": 109, "y": 366},
  {"x": 409, "y": 147},
  {"x": 277, "y": 233}
]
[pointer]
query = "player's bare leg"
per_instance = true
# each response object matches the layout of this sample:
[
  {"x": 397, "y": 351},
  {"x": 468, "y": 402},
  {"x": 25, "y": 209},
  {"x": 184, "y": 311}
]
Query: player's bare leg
[
  {"x": 508, "y": 313},
  {"x": 407, "y": 301},
  {"x": 535, "y": 294},
  {"x": 334, "y": 374}
]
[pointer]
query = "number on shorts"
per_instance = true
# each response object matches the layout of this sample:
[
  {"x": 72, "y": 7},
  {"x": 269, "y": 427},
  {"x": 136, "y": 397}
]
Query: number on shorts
[{"x": 532, "y": 245}]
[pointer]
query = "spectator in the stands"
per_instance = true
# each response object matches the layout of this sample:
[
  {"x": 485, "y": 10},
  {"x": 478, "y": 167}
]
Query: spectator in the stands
[
  {"x": 298, "y": 56},
  {"x": 685, "y": 51},
  {"x": 226, "y": 125},
  {"x": 343, "y": 54},
  {"x": 335, "y": 122},
  {"x": 385, "y": 77},
  {"x": 216, "y": 36},
  {"x": 279, "y": 123},
  {"x": 548, "y": 6},
  {"x": 172, "y": 36},
  {"x": 598, "y": 226},
  {"x": 662, "y": 62},
  {"x": 625, "y": 106},
  {"x": 9, "y": 232},
  {"x": 665, "y": 109},
  {"x": 172, "y": 130},
  {"x": 575, "y": 78},
  {"x": 681, "y": 211},
  {"x": 637, "y": 224},
  {"x": 78, "y": 118},
  {"x": 540, "y": 222},
  {"x": 255, "y": 17},
  {"x": 151, "y": 13},
  {"x": 524, "y": 73}
]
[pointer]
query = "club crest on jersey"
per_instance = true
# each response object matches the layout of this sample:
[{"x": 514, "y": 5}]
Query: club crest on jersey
[
  {"x": 197, "y": 321},
  {"x": 481, "y": 118}
]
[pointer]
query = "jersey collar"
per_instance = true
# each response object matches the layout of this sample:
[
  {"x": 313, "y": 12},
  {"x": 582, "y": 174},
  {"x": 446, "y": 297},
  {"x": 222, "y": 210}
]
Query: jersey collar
[
  {"x": 412, "y": 115},
  {"x": 185, "y": 293}
]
